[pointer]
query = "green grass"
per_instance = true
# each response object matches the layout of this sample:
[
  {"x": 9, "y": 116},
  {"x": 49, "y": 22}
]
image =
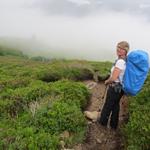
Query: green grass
[
  {"x": 137, "y": 130},
  {"x": 39, "y": 100}
]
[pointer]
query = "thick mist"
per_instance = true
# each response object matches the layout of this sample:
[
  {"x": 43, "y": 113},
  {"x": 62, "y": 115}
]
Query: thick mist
[{"x": 92, "y": 37}]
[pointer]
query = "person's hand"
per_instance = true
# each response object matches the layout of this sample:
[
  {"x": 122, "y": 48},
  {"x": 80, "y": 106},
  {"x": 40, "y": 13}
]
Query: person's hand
[{"x": 106, "y": 82}]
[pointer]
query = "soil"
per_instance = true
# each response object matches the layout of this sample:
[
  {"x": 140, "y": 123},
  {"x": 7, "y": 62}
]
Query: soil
[{"x": 98, "y": 137}]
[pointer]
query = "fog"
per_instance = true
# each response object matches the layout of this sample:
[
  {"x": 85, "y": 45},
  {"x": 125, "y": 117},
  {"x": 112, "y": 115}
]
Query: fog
[{"x": 90, "y": 34}]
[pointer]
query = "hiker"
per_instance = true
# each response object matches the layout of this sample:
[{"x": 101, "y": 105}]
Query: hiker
[{"x": 114, "y": 92}]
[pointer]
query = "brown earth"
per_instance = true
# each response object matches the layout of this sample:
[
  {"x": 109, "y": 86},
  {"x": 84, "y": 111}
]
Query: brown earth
[{"x": 98, "y": 137}]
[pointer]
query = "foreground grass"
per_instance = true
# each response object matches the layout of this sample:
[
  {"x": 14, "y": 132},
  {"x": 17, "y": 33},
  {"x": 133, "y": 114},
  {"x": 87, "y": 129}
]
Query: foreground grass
[
  {"x": 41, "y": 101},
  {"x": 41, "y": 104},
  {"x": 137, "y": 130}
]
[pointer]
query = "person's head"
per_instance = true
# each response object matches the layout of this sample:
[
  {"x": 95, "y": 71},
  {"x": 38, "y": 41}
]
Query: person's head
[{"x": 122, "y": 49}]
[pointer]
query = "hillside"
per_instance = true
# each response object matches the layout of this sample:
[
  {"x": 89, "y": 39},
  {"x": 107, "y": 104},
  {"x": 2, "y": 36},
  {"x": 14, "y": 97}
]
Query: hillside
[
  {"x": 29, "y": 46},
  {"x": 42, "y": 105}
]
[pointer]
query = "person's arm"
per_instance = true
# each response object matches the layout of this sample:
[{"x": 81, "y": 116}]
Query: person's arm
[{"x": 114, "y": 76}]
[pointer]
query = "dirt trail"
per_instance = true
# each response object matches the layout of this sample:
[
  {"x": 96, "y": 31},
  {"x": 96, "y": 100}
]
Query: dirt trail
[{"x": 97, "y": 137}]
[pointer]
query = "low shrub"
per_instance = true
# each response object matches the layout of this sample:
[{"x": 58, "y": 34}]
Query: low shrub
[
  {"x": 70, "y": 92},
  {"x": 27, "y": 137},
  {"x": 57, "y": 72},
  {"x": 137, "y": 130},
  {"x": 59, "y": 117},
  {"x": 21, "y": 97}
]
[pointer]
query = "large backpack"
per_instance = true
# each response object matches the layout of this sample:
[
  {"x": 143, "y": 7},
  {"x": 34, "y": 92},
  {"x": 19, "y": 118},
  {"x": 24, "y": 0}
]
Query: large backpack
[{"x": 137, "y": 67}]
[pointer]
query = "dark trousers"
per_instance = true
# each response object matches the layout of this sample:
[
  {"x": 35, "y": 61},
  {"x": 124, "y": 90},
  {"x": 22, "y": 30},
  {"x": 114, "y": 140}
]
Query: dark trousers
[{"x": 111, "y": 107}]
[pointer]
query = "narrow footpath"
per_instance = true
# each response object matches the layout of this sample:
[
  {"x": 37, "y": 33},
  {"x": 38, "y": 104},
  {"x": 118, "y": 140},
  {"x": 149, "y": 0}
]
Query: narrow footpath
[{"x": 97, "y": 137}]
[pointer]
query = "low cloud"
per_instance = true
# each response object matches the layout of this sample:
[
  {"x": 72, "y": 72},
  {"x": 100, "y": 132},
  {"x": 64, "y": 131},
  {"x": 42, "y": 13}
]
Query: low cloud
[{"x": 92, "y": 37}]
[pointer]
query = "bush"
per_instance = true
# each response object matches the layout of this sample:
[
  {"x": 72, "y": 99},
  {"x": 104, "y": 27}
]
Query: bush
[
  {"x": 23, "y": 138},
  {"x": 137, "y": 130},
  {"x": 21, "y": 97},
  {"x": 70, "y": 92},
  {"x": 103, "y": 68},
  {"x": 56, "y": 72},
  {"x": 14, "y": 83},
  {"x": 5, "y": 51},
  {"x": 58, "y": 111},
  {"x": 33, "y": 113},
  {"x": 60, "y": 117}
]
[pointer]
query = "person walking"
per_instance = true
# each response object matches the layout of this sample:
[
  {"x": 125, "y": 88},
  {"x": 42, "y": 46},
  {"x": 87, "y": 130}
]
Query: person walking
[{"x": 111, "y": 106}]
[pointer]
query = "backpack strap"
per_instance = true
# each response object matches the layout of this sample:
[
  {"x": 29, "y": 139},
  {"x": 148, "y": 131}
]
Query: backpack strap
[
  {"x": 115, "y": 64},
  {"x": 125, "y": 59}
]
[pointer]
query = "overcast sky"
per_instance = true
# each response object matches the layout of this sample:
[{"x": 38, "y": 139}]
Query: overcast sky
[{"x": 85, "y": 28}]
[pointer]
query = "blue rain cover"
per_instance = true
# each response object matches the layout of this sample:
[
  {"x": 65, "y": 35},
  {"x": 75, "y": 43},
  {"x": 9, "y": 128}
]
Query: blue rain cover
[{"x": 137, "y": 67}]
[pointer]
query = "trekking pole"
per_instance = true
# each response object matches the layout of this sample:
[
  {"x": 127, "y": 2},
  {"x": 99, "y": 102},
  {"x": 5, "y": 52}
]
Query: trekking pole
[
  {"x": 104, "y": 94},
  {"x": 105, "y": 91}
]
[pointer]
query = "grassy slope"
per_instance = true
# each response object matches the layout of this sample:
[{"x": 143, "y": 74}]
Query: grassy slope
[
  {"x": 40, "y": 100},
  {"x": 24, "y": 86}
]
